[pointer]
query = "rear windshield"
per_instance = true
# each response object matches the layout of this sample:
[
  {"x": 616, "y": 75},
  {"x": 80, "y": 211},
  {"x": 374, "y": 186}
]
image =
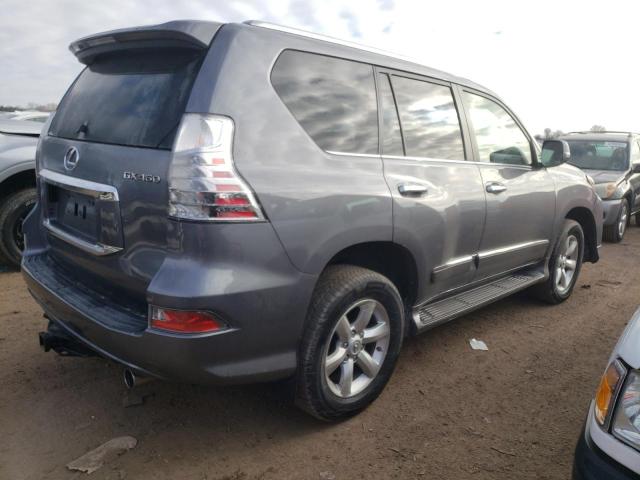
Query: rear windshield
[
  {"x": 131, "y": 98},
  {"x": 599, "y": 155}
]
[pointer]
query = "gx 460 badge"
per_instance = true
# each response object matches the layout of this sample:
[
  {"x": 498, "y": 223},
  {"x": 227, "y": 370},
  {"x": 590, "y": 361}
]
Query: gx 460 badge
[{"x": 141, "y": 177}]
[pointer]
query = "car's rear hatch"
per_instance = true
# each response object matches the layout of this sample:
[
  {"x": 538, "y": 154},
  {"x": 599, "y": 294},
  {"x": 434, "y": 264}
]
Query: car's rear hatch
[{"x": 104, "y": 163}]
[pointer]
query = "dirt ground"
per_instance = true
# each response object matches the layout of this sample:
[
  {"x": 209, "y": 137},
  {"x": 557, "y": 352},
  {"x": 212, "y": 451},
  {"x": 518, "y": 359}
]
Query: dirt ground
[{"x": 449, "y": 412}]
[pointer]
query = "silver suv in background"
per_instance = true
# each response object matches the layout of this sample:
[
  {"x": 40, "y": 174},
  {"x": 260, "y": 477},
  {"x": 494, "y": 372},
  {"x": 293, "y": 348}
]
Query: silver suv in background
[
  {"x": 18, "y": 140},
  {"x": 612, "y": 159},
  {"x": 247, "y": 202}
]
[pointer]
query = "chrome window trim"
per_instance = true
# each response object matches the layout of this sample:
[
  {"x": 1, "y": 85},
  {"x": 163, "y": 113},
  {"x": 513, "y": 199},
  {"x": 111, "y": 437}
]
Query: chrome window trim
[
  {"x": 105, "y": 193},
  {"x": 98, "y": 249},
  {"x": 347, "y": 154}
]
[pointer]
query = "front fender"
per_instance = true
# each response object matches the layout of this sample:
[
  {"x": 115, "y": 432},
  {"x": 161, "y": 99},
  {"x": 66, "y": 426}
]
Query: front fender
[{"x": 576, "y": 199}]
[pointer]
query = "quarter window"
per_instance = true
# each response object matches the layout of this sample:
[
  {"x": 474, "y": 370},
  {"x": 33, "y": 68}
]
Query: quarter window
[
  {"x": 429, "y": 119},
  {"x": 499, "y": 138},
  {"x": 334, "y": 100}
]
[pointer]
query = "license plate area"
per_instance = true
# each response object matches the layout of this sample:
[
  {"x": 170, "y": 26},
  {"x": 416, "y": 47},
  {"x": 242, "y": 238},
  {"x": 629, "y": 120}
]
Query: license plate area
[
  {"x": 82, "y": 213},
  {"x": 74, "y": 212}
]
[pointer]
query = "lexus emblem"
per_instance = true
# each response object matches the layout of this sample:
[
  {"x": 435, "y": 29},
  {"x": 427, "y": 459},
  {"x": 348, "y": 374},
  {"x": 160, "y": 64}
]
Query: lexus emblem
[{"x": 71, "y": 158}]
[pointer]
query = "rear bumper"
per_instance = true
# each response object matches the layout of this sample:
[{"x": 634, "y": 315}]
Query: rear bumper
[
  {"x": 611, "y": 210},
  {"x": 261, "y": 344}
]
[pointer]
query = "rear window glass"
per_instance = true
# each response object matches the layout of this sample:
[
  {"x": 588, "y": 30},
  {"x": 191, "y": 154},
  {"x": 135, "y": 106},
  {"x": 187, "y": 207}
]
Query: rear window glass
[
  {"x": 334, "y": 100},
  {"x": 131, "y": 98},
  {"x": 429, "y": 119}
]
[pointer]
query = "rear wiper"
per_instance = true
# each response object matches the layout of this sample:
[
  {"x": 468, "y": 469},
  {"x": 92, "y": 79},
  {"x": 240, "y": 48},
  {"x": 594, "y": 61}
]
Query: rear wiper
[{"x": 84, "y": 129}]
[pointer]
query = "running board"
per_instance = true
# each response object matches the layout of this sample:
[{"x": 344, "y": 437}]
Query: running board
[{"x": 442, "y": 311}]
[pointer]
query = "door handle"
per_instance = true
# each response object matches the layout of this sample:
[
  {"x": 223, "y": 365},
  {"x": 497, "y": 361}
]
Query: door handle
[
  {"x": 495, "y": 187},
  {"x": 412, "y": 189}
]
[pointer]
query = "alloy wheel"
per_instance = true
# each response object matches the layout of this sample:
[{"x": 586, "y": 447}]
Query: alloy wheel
[
  {"x": 566, "y": 264},
  {"x": 622, "y": 221},
  {"x": 356, "y": 348}
]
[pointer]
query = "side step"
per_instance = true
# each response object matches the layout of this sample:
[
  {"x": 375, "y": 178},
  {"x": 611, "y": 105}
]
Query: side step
[{"x": 449, "y": 308}]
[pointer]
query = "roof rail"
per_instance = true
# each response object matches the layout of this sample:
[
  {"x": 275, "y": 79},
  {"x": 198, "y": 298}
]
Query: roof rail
[
  {"x": 604, "y": 131},
  {"x": 326, "y": 38}
]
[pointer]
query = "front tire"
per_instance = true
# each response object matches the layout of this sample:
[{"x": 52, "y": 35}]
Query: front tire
[
  {"x": 615, "y": 233},
  {"x": 13, "y": 210},
  {"x": 353, "y": 337},
  {"x": 564, "y": 265}
]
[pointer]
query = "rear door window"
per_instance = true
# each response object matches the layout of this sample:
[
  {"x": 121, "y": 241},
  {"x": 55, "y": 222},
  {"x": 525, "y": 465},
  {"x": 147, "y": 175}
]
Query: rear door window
[
  {"x": 429, "y": 119},
  {"x": 129, "y": 98},
  {"x": 333, "y": 99}
]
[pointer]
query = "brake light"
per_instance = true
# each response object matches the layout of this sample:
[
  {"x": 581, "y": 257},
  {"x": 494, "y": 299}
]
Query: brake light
[
  {"x": 184, "y": 321},
  {"x": 203, "y": 182}
]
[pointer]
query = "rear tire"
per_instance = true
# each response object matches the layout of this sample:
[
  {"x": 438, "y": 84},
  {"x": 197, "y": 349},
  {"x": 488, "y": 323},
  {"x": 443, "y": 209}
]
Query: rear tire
[
  {"x": 353, "y": 337},
  {"x": 13, "y": 210},
  {"x": 615, "y": 233},
  {"x": 564, "y": 265}
]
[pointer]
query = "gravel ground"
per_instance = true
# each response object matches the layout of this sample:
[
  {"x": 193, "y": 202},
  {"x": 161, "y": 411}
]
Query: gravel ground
[{"x": 449, "y": 412}]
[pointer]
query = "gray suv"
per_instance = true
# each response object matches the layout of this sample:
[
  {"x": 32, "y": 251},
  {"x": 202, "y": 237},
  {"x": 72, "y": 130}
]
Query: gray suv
[
  {"x": 612, "y": 159},
  {"x": 246, "y": 202}
]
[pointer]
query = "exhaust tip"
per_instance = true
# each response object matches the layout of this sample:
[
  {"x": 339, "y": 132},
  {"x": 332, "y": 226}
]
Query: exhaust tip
[{"x": 129, "y": 378}]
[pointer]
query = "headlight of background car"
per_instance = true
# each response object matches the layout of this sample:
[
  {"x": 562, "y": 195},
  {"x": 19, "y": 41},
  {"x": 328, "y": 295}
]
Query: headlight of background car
[
  {"x": 606, "y": 190},
  {"x": 626, "y": 424}
]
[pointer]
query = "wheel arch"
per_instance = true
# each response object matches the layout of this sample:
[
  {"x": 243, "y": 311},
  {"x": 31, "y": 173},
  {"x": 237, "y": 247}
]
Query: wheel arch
[
  {"x": 585, "y": 218},
  {"x": 17, "y": 181},
  {"x": 386, "y": 258}
]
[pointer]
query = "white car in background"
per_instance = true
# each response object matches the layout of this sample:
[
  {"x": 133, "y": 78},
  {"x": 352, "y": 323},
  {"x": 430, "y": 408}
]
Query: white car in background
[
  {"x": 609, "y": 447},
  {"x": 33, "y": 116}
]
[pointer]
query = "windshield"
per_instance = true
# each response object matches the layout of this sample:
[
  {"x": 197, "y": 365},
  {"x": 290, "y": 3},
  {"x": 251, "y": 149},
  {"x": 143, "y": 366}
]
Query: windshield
[
  {"x": 133, "y": 98},
  {"x": 599, "y": 155}
]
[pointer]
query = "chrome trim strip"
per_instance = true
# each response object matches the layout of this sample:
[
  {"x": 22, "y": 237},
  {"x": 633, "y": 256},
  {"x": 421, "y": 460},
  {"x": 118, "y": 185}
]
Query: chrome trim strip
[
  {"x": 106, "y": 193},
  {"x": 511, "y": 248},
  {"x": 98, "y": 249},
  {"x": 466, "y": 162},
  {"x": 347, "y": 154},
  {"x": 428, "y": 159},
  {"x": 455, "y": 262}
]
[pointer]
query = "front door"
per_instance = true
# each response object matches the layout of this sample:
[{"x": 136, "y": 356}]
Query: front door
[
  {"x": 439, "y": 205},
  {"x": 520, "y": 195}
]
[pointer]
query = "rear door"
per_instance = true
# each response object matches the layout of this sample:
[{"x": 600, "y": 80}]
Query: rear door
[
  {"x": 520, "y": 195},
  {"x": 439, "y": 204}
]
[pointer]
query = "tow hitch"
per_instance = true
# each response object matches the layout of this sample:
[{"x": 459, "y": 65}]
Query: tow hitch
[{"x": 56, "y": 339}]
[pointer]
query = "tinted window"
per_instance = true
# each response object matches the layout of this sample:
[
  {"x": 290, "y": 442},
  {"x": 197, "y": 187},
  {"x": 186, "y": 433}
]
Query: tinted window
[
  {"x": 334, "y": 100},
  {"x": 391, "y": 136},
  {"x": 429, "y": 119},
  {"x": 132, "y": 99},
  {"x": 599, "y": 155},
  {"x": 499, "y": 138}
]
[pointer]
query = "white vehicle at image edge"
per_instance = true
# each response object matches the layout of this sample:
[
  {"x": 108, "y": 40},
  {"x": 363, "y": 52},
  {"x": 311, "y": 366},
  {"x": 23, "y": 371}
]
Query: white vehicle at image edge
[{"x": 609, "y": 447}]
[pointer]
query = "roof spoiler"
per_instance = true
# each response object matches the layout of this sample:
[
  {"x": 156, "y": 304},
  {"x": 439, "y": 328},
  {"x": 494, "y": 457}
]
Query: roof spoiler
[{"x": 182, "y": 34}]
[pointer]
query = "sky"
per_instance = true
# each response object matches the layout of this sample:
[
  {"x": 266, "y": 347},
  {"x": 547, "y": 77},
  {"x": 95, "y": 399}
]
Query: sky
[{"x": 560, "y": 64}]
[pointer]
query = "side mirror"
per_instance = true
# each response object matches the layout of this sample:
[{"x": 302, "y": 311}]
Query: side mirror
[
  {"x": 636, "y": 168},
  {"x": 555, "y": 152}
]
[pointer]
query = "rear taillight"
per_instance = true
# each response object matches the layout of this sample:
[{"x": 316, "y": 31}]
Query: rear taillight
[
  {"x": 184, "y": 321},
  {"x": 203, "y": 182}
]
